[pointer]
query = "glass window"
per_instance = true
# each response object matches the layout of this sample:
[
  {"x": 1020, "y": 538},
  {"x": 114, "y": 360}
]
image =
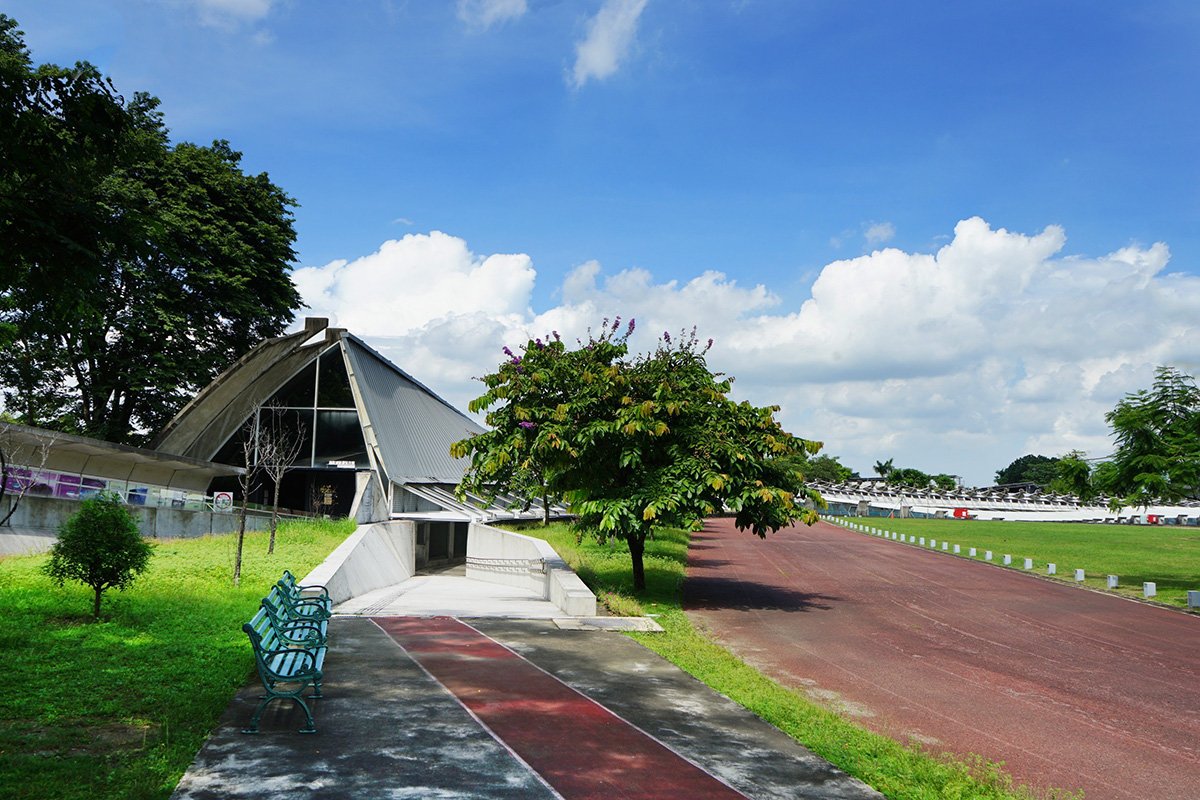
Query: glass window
[
  {"x": 339, "y": 438},
  {"x": 298, "y": 391},
  {"x": 333, "y": 386}
]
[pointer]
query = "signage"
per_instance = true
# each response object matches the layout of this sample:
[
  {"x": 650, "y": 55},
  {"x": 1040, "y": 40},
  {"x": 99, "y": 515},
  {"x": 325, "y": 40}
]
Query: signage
[{"x": 222, "y": 501}]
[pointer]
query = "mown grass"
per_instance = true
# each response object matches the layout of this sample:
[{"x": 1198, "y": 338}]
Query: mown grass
[
  {"x": 1168, "y": 555},
  {"x": 119, "y": 708},
  {"x": 902, "y": 772}
]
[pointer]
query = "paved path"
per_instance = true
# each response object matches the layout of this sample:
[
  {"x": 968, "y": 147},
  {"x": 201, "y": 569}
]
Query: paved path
[
  {"x": 1070, "y": 688},
  {"x": 498, "y": 708}
]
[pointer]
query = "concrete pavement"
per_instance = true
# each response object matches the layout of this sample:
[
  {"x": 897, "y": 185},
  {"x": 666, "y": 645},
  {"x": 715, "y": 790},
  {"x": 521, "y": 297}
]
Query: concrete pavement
[{"x": 388, "y": 728}]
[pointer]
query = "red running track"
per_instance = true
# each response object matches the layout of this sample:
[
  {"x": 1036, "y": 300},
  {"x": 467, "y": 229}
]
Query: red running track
[
  {"x": 578, "y": 747},
  {"x": 1070, "y": 688}
]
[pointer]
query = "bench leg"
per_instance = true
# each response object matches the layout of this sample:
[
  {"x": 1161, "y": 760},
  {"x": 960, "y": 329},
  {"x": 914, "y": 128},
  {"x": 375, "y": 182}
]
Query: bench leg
[{"x": 262, "y": 705}]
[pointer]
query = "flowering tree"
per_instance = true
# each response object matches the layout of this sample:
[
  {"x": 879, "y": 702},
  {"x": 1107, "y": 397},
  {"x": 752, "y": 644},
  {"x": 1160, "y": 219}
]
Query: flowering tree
[{"x": 634, "y": 442}]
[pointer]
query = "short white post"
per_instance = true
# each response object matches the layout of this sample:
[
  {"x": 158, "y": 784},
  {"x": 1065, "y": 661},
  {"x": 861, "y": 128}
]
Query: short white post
[
  {"x": 922, "y": 541},
  {"x": 957, "y": 549},
  {"x": 1193, "y": 599},
  {"x": 1052, "y": 569},
  {"x": 1078, "y": 574},
  {"x": 933, "y": 542},
  {"x": 1150, "y": 589},
  {"x": 945, "y": 545},
  {"x": 987, "y": 555},
  {"x": 971, "y": 552},
  {"x": 1029, "y": 563},
  {"x": 1007, "y": 559},
  {"x": 1112, "y": 581}
]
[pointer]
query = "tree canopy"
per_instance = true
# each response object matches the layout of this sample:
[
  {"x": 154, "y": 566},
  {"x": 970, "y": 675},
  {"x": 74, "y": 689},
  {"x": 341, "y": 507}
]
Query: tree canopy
[
  {"x": 1029, "y": 468},
  {"x": 132, "y": 270},
  {"x": 1157, "y": 437},
  {"x": 634, "y": 442}
]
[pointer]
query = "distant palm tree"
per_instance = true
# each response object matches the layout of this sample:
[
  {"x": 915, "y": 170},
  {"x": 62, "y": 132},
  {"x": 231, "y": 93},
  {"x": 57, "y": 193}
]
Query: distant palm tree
[{"x": 884, "y": 468}]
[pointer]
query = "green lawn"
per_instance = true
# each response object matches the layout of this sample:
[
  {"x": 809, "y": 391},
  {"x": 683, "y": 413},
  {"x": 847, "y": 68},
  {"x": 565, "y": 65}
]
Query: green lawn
[
  {"x": 1168, "y": 555},
  {"x": 118, "y": 709},
  {"x": 899, "y": 771}
]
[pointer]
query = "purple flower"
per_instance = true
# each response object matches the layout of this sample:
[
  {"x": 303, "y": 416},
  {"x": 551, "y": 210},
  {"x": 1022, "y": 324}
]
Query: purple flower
[
  {"x": 556, "y": 337},
  {"x": 508, "y": 352},
  {"x": 516, "y": 360},
  {"x": 709, "y": 344},
  {"x": 667, "y": 337},
  {"x": 631, "y": 324},
  {"x": 616, "y": 323},
  {"x": 538, "y": 342},
  {"x": 527, "y": 425}
]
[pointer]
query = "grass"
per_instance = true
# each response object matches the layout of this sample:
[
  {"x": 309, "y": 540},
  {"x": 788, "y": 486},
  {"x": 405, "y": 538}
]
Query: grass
[
  {"x": 119, "y": 708},
  {"x": 1168, "y": 555},
  {"x": 902, "y": 772}
]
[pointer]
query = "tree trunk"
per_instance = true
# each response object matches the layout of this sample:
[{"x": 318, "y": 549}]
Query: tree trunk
[
  {"x": 96, "y": 605},
  {"x": 274, "y": 514},
  {"x": 545, "y": 508},
  {"x": 237, "y": 562},
  {"x": 637, "y": 544}
]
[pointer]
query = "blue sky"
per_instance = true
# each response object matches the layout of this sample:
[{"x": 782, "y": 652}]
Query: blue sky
[{"x": 789, "y": 176}]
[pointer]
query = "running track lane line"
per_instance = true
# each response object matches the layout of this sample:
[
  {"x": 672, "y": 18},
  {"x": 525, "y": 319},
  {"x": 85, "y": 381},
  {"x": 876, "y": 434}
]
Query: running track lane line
[{"x": 583, "y": 750}]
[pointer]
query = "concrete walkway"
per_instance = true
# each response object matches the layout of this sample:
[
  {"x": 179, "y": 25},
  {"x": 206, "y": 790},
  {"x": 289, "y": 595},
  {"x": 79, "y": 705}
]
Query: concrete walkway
[
  {"x": 450, "y": 595},
  {"x": 388, "y": 728}
]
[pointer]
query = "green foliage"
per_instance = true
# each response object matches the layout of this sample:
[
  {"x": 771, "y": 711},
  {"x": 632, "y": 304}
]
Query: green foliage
[
  {"x": 944, "y": 482},
  {"x": 1073, "y": 475},
  {"x": 820, "y": 467},
  {"x": 910, "y": 477},
  {"x": 1028, "y": 468},
  {"x": 884, "y": 468},
  {"x": 634, "y": 442},
  {"x": 99, "y": 546},
  {"x": 1157, "y": 436},
  {"x": 902, "y": 772},
  {"x": 116, "y": 710},
  {"x": 131, "y": 271}
]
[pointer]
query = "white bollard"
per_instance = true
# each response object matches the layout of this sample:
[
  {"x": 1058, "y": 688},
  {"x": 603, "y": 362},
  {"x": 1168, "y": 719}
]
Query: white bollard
[
  {"x": 1007, "y": 559},
  {"x": 987, "y": 555},
  {"x": 957, "y": 549},
  {"x": 1029, "y": 563},
  {"x": 933, "y": 542},
  {"x": 971, "y": 552},
  {"x": 1150, "y": 589},
  {"x": 1193, "y": 599},
  {"x": 1079, "y": 575},
  {"x": 922, "y": 541},
  {"x": 945, "y": 545},
  {"x": 1112, "y": 581},
  {"x": 1052, "y": 569}
]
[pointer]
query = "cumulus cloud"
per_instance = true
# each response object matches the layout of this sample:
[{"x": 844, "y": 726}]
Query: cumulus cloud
[
  {"x": 610, "y": 37},
  {"x": 483, "y": 14},
  {"x": 959, "y": 361}
]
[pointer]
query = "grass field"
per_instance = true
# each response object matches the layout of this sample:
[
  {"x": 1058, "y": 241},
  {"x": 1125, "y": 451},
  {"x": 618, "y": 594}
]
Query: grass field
[
  {"x": 901, "y": 772},
  {"x": 118, "y": 709},
  {"x": 1168, "y": 555}
]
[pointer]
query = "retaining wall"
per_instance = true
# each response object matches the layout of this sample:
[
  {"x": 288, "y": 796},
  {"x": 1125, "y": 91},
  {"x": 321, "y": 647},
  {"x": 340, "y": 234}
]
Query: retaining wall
[
  {"x": 376, "y": 555},
  {"x": 504, "y": 557}
]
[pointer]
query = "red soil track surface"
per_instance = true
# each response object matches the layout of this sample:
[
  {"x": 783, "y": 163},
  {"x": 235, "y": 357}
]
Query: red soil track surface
[
  {"x": 576, "y": 745},
  {"x": 1070, "y": 688}
]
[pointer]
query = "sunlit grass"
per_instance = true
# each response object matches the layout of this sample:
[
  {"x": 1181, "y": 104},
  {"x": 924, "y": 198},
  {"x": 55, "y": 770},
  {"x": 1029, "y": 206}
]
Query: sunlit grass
[
  {"x": 903, "y": 772},
  {"x": 119, "y": 708},
  {"x": 1168, "y": 555}
]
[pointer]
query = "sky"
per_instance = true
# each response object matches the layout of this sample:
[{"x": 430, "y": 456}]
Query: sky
[{"x": 948, "y": 234}]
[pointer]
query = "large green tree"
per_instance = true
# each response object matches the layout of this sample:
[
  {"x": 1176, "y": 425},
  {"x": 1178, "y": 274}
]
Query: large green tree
[
  {"x": 1157, "y": 437},
  {"x": 635, "y": 441},
  {"x": 1029, "y": 468},
  {"x": 132, "y": 270}
]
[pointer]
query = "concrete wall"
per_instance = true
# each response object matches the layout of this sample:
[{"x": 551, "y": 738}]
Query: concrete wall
[
  {"x": 35, "y": 525},
  {"x": 375, "y": 555},
  {"x": 498, "y": 556}
]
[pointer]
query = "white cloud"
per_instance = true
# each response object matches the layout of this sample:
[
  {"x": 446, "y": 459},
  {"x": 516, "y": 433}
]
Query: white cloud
[
  {"x": 483, "y": 14},
  {"x": 610, "y": 36},
  {"x": 957, "y": 361},
  {"x": 228, "y": 12},
  {"x": 878, "y": 233}
]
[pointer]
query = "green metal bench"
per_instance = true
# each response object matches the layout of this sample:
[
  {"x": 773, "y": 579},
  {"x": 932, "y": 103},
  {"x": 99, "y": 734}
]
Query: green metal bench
[
  {"x": 286, "y": 669},
  {"x": 302, "y": 631},
  {"x": 297, "y": 607}
]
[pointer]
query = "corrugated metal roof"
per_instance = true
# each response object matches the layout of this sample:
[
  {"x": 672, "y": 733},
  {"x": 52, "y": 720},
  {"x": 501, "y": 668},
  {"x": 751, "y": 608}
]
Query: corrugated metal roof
[{"x": 413, "y": 427}]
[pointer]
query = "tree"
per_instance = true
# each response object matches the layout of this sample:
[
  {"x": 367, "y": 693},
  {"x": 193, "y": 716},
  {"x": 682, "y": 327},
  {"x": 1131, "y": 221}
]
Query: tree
[
  {"x": 910, "y": 477},
  {"x": 1028, "y": 468},
  {"x": 884, "y": 468},
  {"x": 635, "y": 442},
  {"x": 1073, "y": 475},
  {"x": 133, "y": 270},
  {"x": 99, "y": 546},
  {"x": 278, "y": 447},
  {"x": 947, "y": 483},
  {"x": 21, "y": 463},
  {"x": 247, "y": 483},
  {"x": 1157, "y": 436},
  {"x": 821, "y": 468}
]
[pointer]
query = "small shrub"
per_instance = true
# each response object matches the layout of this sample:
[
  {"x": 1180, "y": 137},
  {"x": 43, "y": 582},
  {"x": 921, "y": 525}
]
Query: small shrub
[{"x": 99, "y": 546}]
